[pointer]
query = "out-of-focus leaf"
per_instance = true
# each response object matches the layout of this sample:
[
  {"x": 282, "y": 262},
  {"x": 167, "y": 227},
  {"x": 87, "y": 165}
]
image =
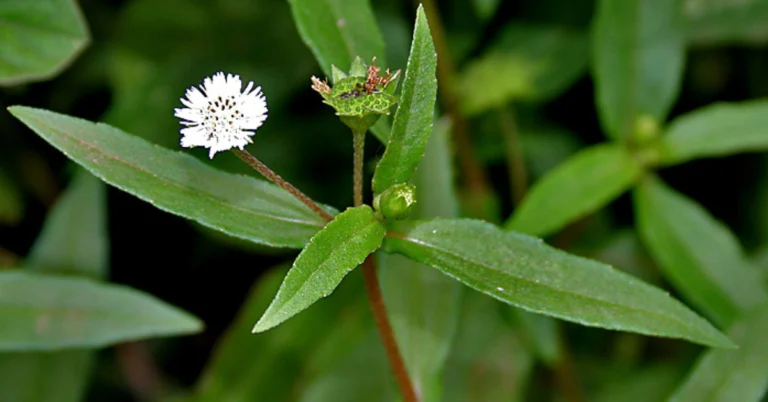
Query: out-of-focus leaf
[
  {"x": 638, "y": 47},
  {"x": 412, "y": 124},
  {"x": 488, "y": 363},
  {"x": 40, "y": 38},
  {"x": 174, "y": 182},
  {"x": 525, "y": 63},
  {"x": 422, "y": 303},
  {"x": 713, "y": 22},
  {"x": 337, "y": 31},
  {"x": 733, "y": 375},
  {"x": 577, "y": 187},
  {"x": 365, "y": 362},
  {"x": 698, "y": 254},
  {"x": 718, "y": 130},
  {"x": 338, "y": 248},
  {"x": 525, "y": 272},
  {"x": 63, "y": 375},
  {"x": 540, "y": 334},
  {"x": 11, "y": 204},
  {"x": 651, "y": 383},
  {"x": 54, "y": 312},
  {"x": 288, "y": 356}
]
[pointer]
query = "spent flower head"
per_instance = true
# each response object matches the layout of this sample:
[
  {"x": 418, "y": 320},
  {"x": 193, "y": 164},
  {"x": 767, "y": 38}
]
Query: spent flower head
[
  {"x": 361, "y": 97},
  {"x": 218, "y": 116}
]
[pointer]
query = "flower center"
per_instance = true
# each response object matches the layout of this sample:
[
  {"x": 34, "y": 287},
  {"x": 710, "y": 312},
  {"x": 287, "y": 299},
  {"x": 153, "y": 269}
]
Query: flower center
[{"x": 222, "y": 116}]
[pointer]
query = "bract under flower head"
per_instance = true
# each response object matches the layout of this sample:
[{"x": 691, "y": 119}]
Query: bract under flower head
[{"x": 219, "y": 116}]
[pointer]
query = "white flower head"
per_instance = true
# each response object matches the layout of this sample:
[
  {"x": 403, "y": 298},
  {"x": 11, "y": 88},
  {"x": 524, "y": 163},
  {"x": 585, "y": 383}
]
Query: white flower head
[{"x": 218, "y": 116}]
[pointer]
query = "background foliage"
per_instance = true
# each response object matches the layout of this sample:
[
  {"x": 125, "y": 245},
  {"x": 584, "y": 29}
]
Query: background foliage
[{"x": 557, "y": 89}]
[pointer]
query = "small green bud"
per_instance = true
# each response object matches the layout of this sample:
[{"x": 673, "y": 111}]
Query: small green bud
[
  {"x": 361, "y": 97},
  {"x": 396, "y": 202},
  {"x": 646, "y": 130}
]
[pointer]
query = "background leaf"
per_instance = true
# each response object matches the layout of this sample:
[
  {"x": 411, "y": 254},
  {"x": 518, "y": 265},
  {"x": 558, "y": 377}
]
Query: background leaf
[
  {"x": 733, "y": 375},
  {"x": 416, "y": 107},
  {"x": 525, "y": 62},
  {"x": 698, "y": 255},
  {"x": 523, "y": 271},
  {"x": 11, "y": 204},
  {"x": 638, "y": 49},
  {"x": 174, "y": 182},
  {"x": 717, "y": 130},
  {"x": 726, "y": 22},
  {"x": 580, "y": 185},
  {"x": 54, "y": 312},
  {"x": 337, "y": 31},
  {"x": 332, "y": 253},
  {"x": 423, "y": 304},
  {"x": 39, "y": 39},
  {"x": 62, "y": 376},
  {"x": 290, "y": 356}
]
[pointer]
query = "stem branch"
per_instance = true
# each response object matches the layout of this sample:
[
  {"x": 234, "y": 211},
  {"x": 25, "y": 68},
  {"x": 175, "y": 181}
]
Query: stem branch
[
  {"x": 518, "y": 174},
  {"x": 373, "y": 289},
  {"x": 270, "y": 175}
]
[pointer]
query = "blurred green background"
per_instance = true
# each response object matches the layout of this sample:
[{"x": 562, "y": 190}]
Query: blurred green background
[{"x": 535, "y": 60}]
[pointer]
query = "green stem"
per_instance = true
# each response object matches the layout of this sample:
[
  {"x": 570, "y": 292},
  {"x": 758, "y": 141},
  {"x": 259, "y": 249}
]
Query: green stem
[
  {"x": 270, "y": 175},
  {"x": 373, "y": 289},
  {"x": 518, "y": 174}
]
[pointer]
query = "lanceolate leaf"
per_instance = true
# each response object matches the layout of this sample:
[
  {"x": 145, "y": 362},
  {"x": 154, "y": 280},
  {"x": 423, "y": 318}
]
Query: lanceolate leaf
[
  {"x": 423, "y": 304},
  {"x": 51, "y": 312},
  {"x": 638, "y": 48},
  {"x": 178, "y": 183},
  {"x": 413, "y": 120},
  {"x": 732, "y": 375},
  {"x": 337, "y": 31},
  {"x": 698, "y": 254},
  {"x": 73, "y": 240},
  {"x": 39, "y": 39},
  {"x": 332, "y": 253},
  {"x": 718, "y": 130},
  {"x": 525, "y": 272},
  {"x": 577, "y": 187}
]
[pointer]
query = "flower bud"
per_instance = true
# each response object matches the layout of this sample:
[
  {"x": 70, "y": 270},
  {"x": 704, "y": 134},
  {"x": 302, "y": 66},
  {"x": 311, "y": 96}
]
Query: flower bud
[{"x": 396, "y": 202}]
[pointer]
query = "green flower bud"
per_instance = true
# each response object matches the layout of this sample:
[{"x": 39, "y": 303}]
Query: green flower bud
[
  {"x": 396, "y": 202},
  {"x": 360, "y": 97},
  {"x": 646, "y": 130}
]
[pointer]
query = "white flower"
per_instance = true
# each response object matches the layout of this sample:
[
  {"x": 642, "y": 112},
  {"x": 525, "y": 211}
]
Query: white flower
[{"x": 218, "y": 116}]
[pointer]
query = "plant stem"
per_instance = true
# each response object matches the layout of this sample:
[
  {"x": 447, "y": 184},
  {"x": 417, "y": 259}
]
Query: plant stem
[
  {"x": 474, "y": 176},
  {"x": 270, "y": 175},
  {"x": 518, "y": 174},
  {"x": 373, "y": 289}
]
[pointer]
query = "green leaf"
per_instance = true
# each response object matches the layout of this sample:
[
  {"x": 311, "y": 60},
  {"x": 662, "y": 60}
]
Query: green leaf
[
  {"x": 698, "y": 254},
  {"x": 650, "y": 383},
  {"x": 718, "y": 130},
  {"x": 579, "y": 186},
  {"x": 50, "y": 312},
  {"x": 423, "y": 305},
  {"x": 488, "y": 362},
  {"x": 525, "y": 272},
  {"x": 62, "y": 376},
  {"x": 726, "y": 22},
  {"x": 733, "y": 375},
  {"x": 413, "y": 120},
  {"x": 174, "y": 182},
  {"x": 540, "y": 333},
  {"x": 289, "y": 356},
  {"x": 11, "y": 204},
  {"x": 638, "y": 49},
  {"x": 39, "y": 39},
  {"x": 485, "y": 8},
  {"x": 337, "y": 31},
  {"x": 332, "y": 253},
  {"x": 526, "y": 62}
]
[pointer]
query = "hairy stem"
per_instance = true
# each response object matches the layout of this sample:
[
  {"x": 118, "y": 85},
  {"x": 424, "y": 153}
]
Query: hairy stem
[
  {"x": 474, "y": 176},
  {"x": 518, "y": 174},
  {"x": 372, "y": 287},
  {"x": 270, "y": 175}
]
